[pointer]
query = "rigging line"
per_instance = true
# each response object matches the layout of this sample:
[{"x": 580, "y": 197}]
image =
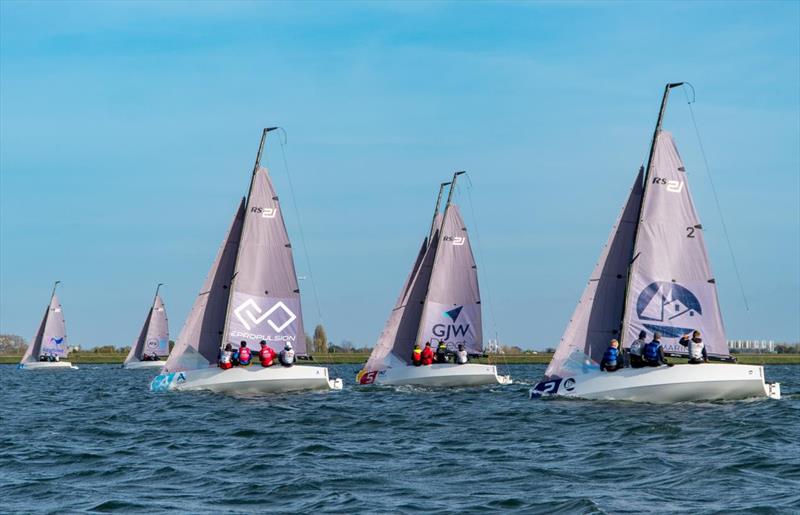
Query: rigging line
[
  {"x": 282, "y": 142},
  {"x": 714, "y": 192},
  {"x": 481, "y": 259}
]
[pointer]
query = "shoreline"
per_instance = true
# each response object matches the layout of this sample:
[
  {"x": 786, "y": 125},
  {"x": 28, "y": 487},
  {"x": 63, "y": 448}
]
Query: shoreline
[{"x": 91, "y": 358}]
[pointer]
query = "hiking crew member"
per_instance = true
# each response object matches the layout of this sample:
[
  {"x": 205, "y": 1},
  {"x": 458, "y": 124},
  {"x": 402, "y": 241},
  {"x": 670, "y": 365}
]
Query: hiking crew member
[
  {"x": 653, "y": 353},
  {"x": 287, "y": 355},
  {"x": 696, "y": 348},
  {"x": 612, "y": 358},
  {"x": 461, "y": 355},
  {"x": 441, "y": 352},
  {"x": 244, "y": 354},
  {"x": 427, "y": 354},
  {"x": 226, "y": 357},
  {"x": 416, "y": 355},
  {"x": 266, "y": 355},
  {"x": 635, "y": 352}
]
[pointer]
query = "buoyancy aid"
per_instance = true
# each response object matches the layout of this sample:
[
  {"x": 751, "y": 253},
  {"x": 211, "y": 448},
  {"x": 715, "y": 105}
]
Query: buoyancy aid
[
  {"x": 244, "y": 356},
  {"x": 287, "y": 357},
  {"x": 636, "y": 348},
  {"x": 427, "y": 356},
  {"x": 266, "y": 356},
  {"x": 611, "y": 356},
  {"x": 462, "y": 357},
  {"x": 651, "y": 351},
  {"x": 441, "y": 354},
  {"x": 416, "y": 357},
  {"x": 696, "y": 349},
  {"x": 226, "y": 356}
]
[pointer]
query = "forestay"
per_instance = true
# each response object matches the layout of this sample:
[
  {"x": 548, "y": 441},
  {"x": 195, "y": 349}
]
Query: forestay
[
  {"x": 198, "y": 343},
  {"x": 597, "y": 317},
  {"x": 672, "y": 289},
  {"x": 265, "y": 301},
  {"x": 51, "y": 337}
]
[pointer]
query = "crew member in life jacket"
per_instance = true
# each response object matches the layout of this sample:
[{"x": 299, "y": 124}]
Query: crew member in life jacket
[
  {"x": 441, "y": 353},
  {"x": 266, "y": 355},
  {"x": 612, "y": 358},
  {"x": 226, "y": 357},
  {"x": 427, "y": 354},
  {"x": 696, "y": 348},
  {"x": 461, "y": 355},
  {"x": 244, "y": 354},
  {"x": 287, "y": 355},
  {"x": 635, "y": 352},
  {"x": 653, "y": 353},
  {"x": 416, "y": 355}
]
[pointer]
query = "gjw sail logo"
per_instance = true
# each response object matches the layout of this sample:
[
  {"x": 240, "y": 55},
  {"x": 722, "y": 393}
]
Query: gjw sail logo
[
  {"x": 249, "y": 312},
  {"x": 452, "y": 329},
  {"x": 668, "y": 308}
]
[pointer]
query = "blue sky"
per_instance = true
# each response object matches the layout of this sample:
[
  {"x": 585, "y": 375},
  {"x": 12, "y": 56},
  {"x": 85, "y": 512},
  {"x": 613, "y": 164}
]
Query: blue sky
[{"x": 127, "y": 132}]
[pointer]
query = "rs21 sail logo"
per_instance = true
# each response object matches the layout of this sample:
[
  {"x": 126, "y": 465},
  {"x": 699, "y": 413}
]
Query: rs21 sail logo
[
  {"x": 673, "y": 186},
  {"x": 452, "y": 329},
  {"x": 669, "y": 308}
]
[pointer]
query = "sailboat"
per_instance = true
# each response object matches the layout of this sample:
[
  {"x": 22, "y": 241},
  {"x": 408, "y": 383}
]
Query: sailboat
[
  {"x": 440, "y": 300},
  {"x": 250, "y": 294},
  {"x": 50, "y": 342},
  {"x": 153, "y": 339},
  {"x": 653, "y": 275}
]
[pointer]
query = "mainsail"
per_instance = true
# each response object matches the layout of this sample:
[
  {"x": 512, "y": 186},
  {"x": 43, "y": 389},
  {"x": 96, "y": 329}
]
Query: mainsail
[
  {"x": 154, "y": 336},
  {"x": 672, "y": 289},
  {"x": 198, "y": 343},
  {"x": 265, "y": 300},
  {"x": 51, "y": 337},
  {"x": 597, "y": 317}
]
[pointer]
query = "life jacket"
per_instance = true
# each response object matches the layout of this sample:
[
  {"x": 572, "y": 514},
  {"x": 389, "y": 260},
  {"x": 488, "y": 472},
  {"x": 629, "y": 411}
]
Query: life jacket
[
  {"x": 244, "y": 356},
  {"x": 462, "y": 357},
  {"x": 651, "y": 351},
  {"x": 636, "y": 348},
  {"x": 416, "y": 357},
  {"x": 266, "y": 356},
  {"x": 441, "y": 355},
  {"x": 610, "y": 356},
  {"x": 287, "y": 358},
  {"x": 696, "y": 349},
  {"x": 226, "y": 357},
  {"x": 427, "y": 356}
]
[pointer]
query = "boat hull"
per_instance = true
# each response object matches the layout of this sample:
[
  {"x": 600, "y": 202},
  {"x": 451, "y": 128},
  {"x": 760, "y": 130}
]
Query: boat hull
[
  {"x": 248, "y": 380},
  {"x": 47, "y": 365},
  {"x": 679, "y": 383},
  {"x": 437, "y": 376},
  {"x": 144, "y": 364}
]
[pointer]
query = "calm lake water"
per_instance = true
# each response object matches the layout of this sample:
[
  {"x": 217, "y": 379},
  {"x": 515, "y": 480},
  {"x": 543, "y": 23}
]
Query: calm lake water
[{"x": 96, "y": 440}]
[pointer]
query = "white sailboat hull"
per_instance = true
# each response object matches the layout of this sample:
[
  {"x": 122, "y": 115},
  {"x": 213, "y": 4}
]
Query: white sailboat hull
[
  {"x": 47, "y": 365},
  {"x": 679, "y": 383},
  {"x": 144, "y": 364},
  {"x": 441, "y": 375},
  {"x": 248, "y": 380}
]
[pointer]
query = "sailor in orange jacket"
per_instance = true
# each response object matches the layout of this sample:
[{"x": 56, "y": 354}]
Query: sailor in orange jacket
[
  {"x": 427, "y": 354},
  {"x": 416, "y": 355}
]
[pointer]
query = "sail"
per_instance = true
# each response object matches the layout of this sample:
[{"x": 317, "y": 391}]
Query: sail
[
  {"x": 672, "y": 289},
  {"x": 198, "y": 343},
  {"x": 265, "y": 301},
  {"x": 596, "y": 319},
  {"x": 154, "y": 336},
  {"x": 452, "y": 310},
  {"x": 51, "y": 338}
]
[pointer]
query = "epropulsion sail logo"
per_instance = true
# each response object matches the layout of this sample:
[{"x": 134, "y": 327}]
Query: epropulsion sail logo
[
  {"x": 453, "y": 329},
  {"x": 668, "y": 308},
  {"x": 256, "y": 315},
  {"x": 265, "y": 212}
]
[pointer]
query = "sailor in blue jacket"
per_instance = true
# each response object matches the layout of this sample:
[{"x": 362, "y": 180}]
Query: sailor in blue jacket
[
  {"x": 612, "y": 358},
  {"x": 653, "y": 354}
]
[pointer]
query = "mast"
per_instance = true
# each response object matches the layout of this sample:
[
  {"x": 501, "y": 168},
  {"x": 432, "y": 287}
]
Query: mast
[
  {"x": 53, "y": 293},
  {"x": 156, "y": 295},
  {"x": 436, "y": 211},
  {"x": 246, "y": 205},
  {"x": 438, "y": 242},
  {"x": 646, "y": 179}
]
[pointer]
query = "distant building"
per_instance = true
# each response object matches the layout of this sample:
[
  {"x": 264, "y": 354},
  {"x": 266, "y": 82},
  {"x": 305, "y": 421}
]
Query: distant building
[{"x": 752, "y": 345}]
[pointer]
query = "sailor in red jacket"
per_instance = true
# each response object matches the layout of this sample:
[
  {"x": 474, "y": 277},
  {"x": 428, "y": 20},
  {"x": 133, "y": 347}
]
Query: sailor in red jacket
[
  {"x": 427, "y": 354},
  {"x": 244, "y": 354},
  {"x": 266, "y": 355}
]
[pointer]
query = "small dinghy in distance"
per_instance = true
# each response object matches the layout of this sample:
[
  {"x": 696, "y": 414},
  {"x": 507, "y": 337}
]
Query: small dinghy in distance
[
  {"x": 153, "y": 339},
  {"x": 440, "y": 300},
  {"x": 50, "y": 341},
  {"x": 250, "y": 294},
  {"x": 654, "y": 276}
]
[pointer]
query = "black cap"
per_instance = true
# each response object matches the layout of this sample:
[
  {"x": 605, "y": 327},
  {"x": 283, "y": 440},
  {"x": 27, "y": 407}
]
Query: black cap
[
  {"x": 642, "y": 334},
  {"x": 243, "y": 344}
]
